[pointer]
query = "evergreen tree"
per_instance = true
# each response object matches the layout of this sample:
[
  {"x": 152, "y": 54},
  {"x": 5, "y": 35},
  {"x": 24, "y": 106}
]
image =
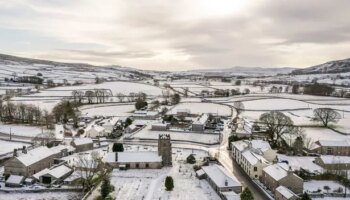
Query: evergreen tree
[
  {"x": 246, "y": 194},
  {"x": 106, "y": 187},
  {"x": 191, "y": 159},
  {"x": 305, "y": 196},
  {"x": 169, "y": 183},
  {"x": 118, "y": 147}
]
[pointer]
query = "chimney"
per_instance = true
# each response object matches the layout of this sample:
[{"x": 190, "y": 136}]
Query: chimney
[
  {"x": 290, "y": 171},
  {"x": 15, "y": 153},
  {"x": 24, "y": 150}
]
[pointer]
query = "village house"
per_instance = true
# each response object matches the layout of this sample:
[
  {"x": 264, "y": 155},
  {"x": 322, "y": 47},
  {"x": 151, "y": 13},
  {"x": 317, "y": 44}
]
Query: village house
[
  {"x": 279, "y": 174},
  {"x": 332, "y": 147},
  {"x": 109, "y": 124},
  {"x": 82, "y": 144},
  {"x": 200, "y": 123},
  {"x": 333, "y": 163},
  {"x": 143, "y": 114},
  {"x": 14, "y": 181},
  {"x": 252, "y": 156},
  {"x": 283, "y": 193},
  {"x": 33, "y": 161},
  {"x": 53, "y": 175},
  {"x": 183, "y": 112},
  {"x": 95, "y": 131},
  {"x": 219, "y": 179},
  {"x": 160, "y": 127}
]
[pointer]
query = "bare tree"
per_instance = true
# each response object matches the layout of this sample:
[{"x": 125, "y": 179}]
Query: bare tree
[
  {"x": 90, "y": 168},
  {"x": 277, "y": 125},
  {"x": 326, "y": 115},
  {"x": 120, "y": 97},
  {"x": 89, "y": 95},
  {"x": 131, "y": 96},
  {"x": 239, "y": 107}
]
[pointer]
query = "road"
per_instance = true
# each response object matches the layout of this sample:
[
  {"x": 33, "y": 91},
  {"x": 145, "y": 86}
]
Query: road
[{"x": 225, "y": 159}]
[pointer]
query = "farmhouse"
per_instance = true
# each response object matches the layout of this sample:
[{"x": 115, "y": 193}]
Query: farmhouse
[
  {"x": 142, "y": 114},
  {"x": 220, "y": 180},
  {"x": 160, "y": 127},
  {"x": 333, "y": 162},
  {"x": 200, "y": 123},
  {"x": 333, "y": 147},
  {"x": 279, "y": 174},
  {"x": 94, "y": 131},
  {"x": 35, "y": 160},
  {"x": 82, "y": 144}
]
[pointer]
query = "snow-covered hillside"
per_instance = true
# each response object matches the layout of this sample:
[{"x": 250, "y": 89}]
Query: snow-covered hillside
[{"x": 338, "y": 66}]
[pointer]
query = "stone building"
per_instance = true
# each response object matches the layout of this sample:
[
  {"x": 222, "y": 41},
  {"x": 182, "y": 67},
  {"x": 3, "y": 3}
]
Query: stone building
[
  {"x": 164, "y": 149},
  {"x": 333, "y": 163},
  {"x": 134, "y": 160},
  {"x": 283, "y": 193},
  {"x": 33, "y": 161},
  {"x": 332, "y": 147},
  {"x": 82, "y": 144},
  {"x": 279, "y": 174}
]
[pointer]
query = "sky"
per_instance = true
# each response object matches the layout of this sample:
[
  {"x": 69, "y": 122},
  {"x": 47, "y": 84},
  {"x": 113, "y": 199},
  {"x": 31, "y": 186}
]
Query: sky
[{"x": 178, "y": 35}]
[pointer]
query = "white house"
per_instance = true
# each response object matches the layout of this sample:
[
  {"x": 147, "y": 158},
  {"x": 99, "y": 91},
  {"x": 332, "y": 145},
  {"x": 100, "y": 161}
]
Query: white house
[
  {"x": 109, "y": 124},
  {"x": 94, "y": 131},
  {"x": 200, "y": 123},
  {"x": 253, "y": 156}
]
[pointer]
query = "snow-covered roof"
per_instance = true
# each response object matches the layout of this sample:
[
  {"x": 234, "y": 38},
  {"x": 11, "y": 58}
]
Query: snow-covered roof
[
  {"x": 334, "y": 143},
  {"x": 200, "y": 172},
  {"x": 76, "y": 175},
  {"x": 183, "y": 110},
  {"x": 95, "y": 127},
  {"x": 60, "y": 171},
  {"x": 110, "y": 122},
  {"x": 329, "y": 159},
  {"x": 110, "y": 157},
  {"x": 82, "y": 141},
  {"x": 258, "y": 145},
  {"x": 36, "y": 155},
  {"x": 285, "y": 192},
  {"x": 159, "y": 125},
  {"x": 252, "y": 157},
  {"x": 138, "y": 156},
  {"x": 276, "y": 171},
  {"x": 14, "y": 179},
  {"x": 220, "y": 176},
  {"x": 202, "y": 120},
  {"x": 59, "y": 148}
]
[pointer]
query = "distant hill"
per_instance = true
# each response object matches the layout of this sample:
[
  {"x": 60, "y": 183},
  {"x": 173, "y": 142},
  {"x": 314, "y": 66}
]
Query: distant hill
[
  {"x": 248, "y": 70},
  {"x": 337, "y": 66}
]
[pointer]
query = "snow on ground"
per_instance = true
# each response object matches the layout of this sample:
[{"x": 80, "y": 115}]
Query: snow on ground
[
  {"x": 199, "y": 108},
  {"x": 314, "y": 185},
  {"x": 274, "y": 104},
  {"x": 107, "y": 110},
  {"x": 41, "y": 196},
  {"x": 304, "y": 162},
  {"x": 324, "y": 134},
  {"x": 148, "y": 184},
  {"x": 8, "y": 146},
  {"x": 47, "y": 99},
  {"x": 21, "y": 130},
  {"x": 147, "y": 133}
]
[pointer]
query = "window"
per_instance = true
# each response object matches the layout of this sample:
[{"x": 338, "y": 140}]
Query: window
[
  {"x": 255, "y": 169},
  {"x": 329, "y": 151},
  {"x": 137, "y": 165},
  {"x": 147, "y": 165}
]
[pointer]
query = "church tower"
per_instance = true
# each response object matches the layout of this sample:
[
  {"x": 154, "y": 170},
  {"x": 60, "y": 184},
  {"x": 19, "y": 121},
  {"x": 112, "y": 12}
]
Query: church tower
[{"x": 164, "y": 149}]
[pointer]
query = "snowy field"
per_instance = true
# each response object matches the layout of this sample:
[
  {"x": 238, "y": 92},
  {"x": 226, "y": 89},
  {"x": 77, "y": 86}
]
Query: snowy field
[
  {"x": 41, "y": 196},
  {"x": 47, "y": 99},
  {"x": 21, "y": 130},
  {"x": 8, "y": 146},
  {"x": 107, "y": 110},
  {"x": 274, "y": 104},
  {"x": 147, "y": 133},
  {"x": 199, "y": 108}
]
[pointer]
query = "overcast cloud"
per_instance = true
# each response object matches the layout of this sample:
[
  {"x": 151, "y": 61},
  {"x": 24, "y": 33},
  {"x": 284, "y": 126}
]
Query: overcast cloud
[{"x": 178, "y": 35}]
